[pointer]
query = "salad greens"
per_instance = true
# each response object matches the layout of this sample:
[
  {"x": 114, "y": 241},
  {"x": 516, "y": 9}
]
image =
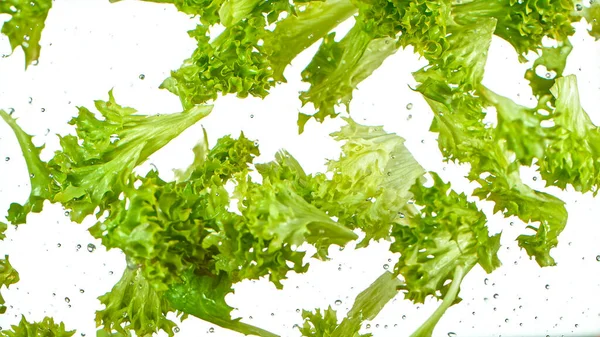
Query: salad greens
[
  {"x": 24, "y": 28},
  {"x": 188, "y": 241}
]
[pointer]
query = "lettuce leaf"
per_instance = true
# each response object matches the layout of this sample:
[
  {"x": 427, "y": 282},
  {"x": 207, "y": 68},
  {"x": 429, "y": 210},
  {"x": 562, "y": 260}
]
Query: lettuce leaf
[
  {"x": 25, "y": 26},
  {"x": 93, "y": 167},
  {"x": 45, "y": 328}
]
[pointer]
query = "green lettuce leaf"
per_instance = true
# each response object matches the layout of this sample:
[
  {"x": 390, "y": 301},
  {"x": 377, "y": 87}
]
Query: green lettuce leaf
[
  {"x": 8, "y": 276},
  {"x": 204, "y": 297},
  {"x": 443, "y": 243},
  {"x": 521, "y": 23},
  {"x": 338, "y": 67},
  {"x": 368, "y": 304},
  {"x": 25, "y": 26},
  {"x": 371, "y": 180},
  {"x": 133, "y": 305},
  {"x": 42, "y": 185},
  {"x": 45, "y": 328},
  {"x": 574, "y": 156},
  {"x": 297, "y": 32},
  {"x": 93, "y": 167},
  {"x": 553, "y": 59}
]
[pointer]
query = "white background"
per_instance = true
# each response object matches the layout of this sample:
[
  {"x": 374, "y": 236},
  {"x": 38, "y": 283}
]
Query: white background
[{"x": 91, "y": 46}]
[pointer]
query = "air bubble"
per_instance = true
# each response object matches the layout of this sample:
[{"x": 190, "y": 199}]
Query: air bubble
[
  {"x": 338, "y": 302},
  {"x": 142, "y": 76},
  {"x": 409, "y": 106},
  {"x": 91, "y": 247},
  {"x": 211, "y": 330},
  {"x": 176, "y": 329}
]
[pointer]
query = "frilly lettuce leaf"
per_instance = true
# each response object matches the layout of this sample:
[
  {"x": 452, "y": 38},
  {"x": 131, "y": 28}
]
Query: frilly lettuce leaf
[
  {"x": 442, "y": 243},
  {"x": 204, "y": 297},
  {"x": 574, "y": 155},
  {"x": 338, "y": 67},
  {"x": 133, "y": 305},
  {"x": 317, "y": 324},
  {"x": 553, "y": 59},
  {"x": 371, "y": 180},
  {"x": 170, "y": 227},
  {"x": 447, "y": 233},
  {"x": 25, "y": 26},
  {"x": 297, "y": 32},
  {"x": 42, "y": 185},
  {"x": 367, "y": 306},
  {"x": 8, "y": 276},
  {"x": 45, "y": 328},
  {"x": 93, "y": 167},
  {"x": 521, "y": 23}
]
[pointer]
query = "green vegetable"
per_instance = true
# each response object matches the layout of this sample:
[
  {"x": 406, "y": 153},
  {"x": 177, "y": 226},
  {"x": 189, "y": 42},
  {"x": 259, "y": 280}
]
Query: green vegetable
[
  {"x": 45, "y": 328},
  {"x": 188, "y": 241},
  {"x": 25, "y": 26},
  {"x": 8, "y": 275},
  {"x": 93, "y": 167},
  {"x": 133, "y": 305},
  {"x": 366, "y": 306}
]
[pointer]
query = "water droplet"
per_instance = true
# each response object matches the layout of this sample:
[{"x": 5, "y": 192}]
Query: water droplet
[
  {"x": 272, "y": 314},
  {"x": 81, "y": 291},
  {"x": 58, "y": 245},
  {"x": 451, "y": 334},
  {"x": 252, "y": 116},
  {"x": 176, "y": 329},
  {"x": 211, "y": 330},
  {"x": 409, "y": 106},
  {"x": 68, "y": 300},
  {"x": 368, "y": 326},
  {"x": 547, "y": 286},
  {"x": 496, "y": 296},
  {"x": 7, "y": 159},
  {"x": 298, "y": 310},
  {"x": 30, "y": 100},
  {"x": 409, "y": 117},
  {"x": 403, "y": 317},
  {"x": 110, "y": 272},
  {"x": 67, "y": 213},
  {"x": 577, "y": 325},
  {"x": 32, "y": 176},
  {"x": 579, "y": 7},
  {"x": 91, "y": 248},
  {"x": 512, "y": 223},
  {"x": 338, "y": 302},
  {"x": 598, "y": 258},
  {"x": 142, "y": 76},
  {"x": 78, "y": 247},
  {"x": 534, "y": 178},
  {"x": 485, "y": 281},
  {"x": 386, "y": 266},
  {"x": 506, "y": 320}
]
